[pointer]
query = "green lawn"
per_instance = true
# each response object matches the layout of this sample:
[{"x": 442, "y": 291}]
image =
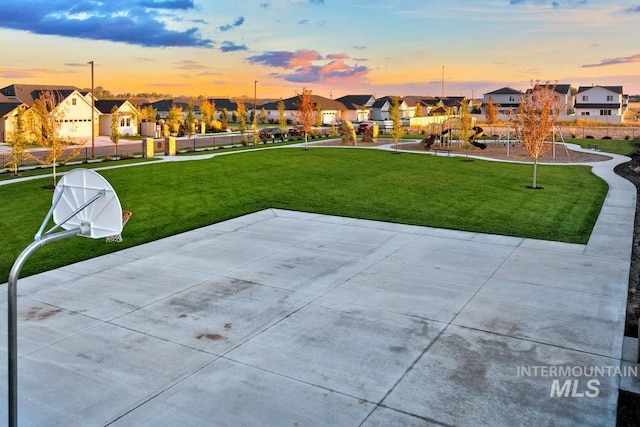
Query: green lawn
[
  {"x": 172, "y": 197},
  {"x": 615, "y": 146}
]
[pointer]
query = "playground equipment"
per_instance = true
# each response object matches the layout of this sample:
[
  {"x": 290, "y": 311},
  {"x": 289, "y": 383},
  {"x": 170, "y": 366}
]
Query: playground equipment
[{"x": 478, "y": 132}]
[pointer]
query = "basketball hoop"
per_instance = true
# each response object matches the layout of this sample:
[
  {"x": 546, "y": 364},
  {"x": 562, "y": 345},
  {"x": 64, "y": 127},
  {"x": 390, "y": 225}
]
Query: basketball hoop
[
  {"x": 84, "y": 204},
  {"x": 117, "y": 238}
]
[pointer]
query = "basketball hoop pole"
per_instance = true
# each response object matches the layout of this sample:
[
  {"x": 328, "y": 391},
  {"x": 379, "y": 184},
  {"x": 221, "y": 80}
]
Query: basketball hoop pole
[
  {"x": 12, "y": 312},
  {"x": 13, "y": 316}
]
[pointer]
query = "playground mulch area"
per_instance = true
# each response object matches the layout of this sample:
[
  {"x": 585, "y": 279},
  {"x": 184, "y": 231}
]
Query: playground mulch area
[
  {"x": 515, "y": 152},
  {"x": 494, "y": 150}
]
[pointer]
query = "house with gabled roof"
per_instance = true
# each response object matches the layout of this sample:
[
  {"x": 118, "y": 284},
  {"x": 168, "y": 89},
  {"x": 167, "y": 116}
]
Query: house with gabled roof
[
  {"x": 566, "y": 97},
  {"x": 331, "y": 109},
  {"x": 599, "y": 101},
  {"x": 381, "y": 108},
  {"x": 8, "y": 111},
  {"x": 163, "y": 106},
  {"x": 358, "y": 107},
  {"x": 29, "y": 93},
  {"x": 413, "y": 103},
  {"x": 223, "y": 103},
  {"x": 127, "y": 116},
  {"x": 75, "y": 108},
  {"x": 507, "y": 99}
]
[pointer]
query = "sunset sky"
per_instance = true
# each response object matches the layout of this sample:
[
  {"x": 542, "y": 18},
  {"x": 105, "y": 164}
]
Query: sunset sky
[{"x": 333, "y": 47}]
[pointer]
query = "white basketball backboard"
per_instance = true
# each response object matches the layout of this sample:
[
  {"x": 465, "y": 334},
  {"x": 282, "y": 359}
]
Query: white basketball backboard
[{"x": 103, "y": 215}]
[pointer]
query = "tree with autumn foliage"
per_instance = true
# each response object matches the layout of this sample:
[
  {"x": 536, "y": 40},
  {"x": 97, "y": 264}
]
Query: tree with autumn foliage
[
  {"x": 306, "y": 113},
  {"x": 465, "y": 127},
  {"x": 50, "y": 116},
  {"x": 538, "y": 111},
  {"x": 190, "y": 123},
  {"x": 394, "y": 115},
  {"x": 207, "y": 112},
  {"x": 282, "y": 117},
  {"x": 174, "y": 117},
  {"x": 148, "y": 114},
  {"x": 115, "y": 129},
  {"x": 491, "y": 110},
  {"x": 242, "y": 117},
  {"x": 17, "y": 139}
]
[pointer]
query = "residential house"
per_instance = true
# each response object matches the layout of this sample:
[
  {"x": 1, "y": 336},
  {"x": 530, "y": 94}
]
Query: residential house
[
  {"x": 223, "y": 103},
  {"x": 432, "y": 106},
  {"x": 163, "y": 106},
  {"x": 74, "y": 107},
  {"x": 452, "y": 104},
  {"x": 381, "y": 108},
  {"x": 599, "y": 101},
  {"x": 331, "y": 110},
  {"x": 413, "y": 104},
  {"x": 358, "y": 107},
  {"x": 507, "y": 99},
  {"x": 127, "y": 116},
  {"x": 8, "y": 111},
  {"x": 566, "y": 97}
]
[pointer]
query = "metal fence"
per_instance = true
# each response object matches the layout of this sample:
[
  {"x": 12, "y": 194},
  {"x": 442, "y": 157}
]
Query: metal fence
[{"x": 131, "y": 149}]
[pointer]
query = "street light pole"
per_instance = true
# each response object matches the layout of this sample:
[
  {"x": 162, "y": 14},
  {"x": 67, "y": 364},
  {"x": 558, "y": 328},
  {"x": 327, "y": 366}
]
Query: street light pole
[
  {"x": 93, "y": 136},
  {"x": 255, "y": 112}
]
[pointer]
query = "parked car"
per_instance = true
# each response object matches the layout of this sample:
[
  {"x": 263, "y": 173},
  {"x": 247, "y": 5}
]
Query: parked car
[
  {"x": 295, "y": 132},
  {"x": 270, "y": 133}
]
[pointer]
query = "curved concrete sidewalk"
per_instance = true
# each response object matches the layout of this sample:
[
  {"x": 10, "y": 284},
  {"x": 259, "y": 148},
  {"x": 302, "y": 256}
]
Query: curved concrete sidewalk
[{"x": 282, "y": 318}]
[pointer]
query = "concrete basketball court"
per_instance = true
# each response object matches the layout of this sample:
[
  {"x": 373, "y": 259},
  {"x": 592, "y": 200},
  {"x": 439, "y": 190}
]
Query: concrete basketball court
[{"x": 289, "y": 318}]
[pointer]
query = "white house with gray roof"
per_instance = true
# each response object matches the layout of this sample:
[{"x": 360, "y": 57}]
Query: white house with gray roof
[{"x": 600, "y": 103}]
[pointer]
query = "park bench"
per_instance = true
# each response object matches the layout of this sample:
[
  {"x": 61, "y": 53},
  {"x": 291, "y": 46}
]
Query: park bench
[{"x": 442, "y": 150}]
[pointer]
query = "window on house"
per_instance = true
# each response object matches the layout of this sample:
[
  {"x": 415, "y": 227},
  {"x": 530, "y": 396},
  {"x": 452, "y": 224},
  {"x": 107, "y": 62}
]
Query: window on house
[
  {"x": 584, "y": 113},
  {"x": 73, "y": 101},
  {"x": 609, "y": 98},
  {"x": 585, "y": 97},
  {"x": 605, "y": 112},
  {"x": 512, "y": 99}
]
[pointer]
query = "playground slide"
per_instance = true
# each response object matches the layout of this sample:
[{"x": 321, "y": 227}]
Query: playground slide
[{"x": 478, "y": 133}]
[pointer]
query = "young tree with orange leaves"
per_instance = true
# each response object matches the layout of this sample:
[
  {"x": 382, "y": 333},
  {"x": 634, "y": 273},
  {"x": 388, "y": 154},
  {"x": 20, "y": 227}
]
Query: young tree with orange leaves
[
  {"x": 491, "y": 112},
  {"x": 306, "y": 113},
  {"x": 538, "y": 111}
]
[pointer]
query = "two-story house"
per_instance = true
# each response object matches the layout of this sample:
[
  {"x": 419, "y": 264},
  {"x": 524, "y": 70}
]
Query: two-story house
[
  {"x": 381, "y": 108},
  {"x": 74, "y": 108},
  {"x": 507, "y": 99},
  {"x": 599, "y": 101}
]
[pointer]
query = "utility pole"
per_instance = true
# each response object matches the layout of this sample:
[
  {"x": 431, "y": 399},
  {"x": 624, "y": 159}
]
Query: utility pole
[
  {"x": 255, "y": 112},
  {"x": 93, "y": 104}
]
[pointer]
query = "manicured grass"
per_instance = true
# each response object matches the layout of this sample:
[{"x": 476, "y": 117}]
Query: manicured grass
[
  {"x": 615, "y": 146},
  {"x": 169, "y": 198}
]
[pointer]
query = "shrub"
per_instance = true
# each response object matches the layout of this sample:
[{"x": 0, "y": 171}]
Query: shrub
[{"x": 589, "y": 137}]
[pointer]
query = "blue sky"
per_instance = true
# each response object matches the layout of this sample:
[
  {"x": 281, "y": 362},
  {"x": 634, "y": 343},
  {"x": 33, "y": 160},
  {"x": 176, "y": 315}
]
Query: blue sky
[{"x": 380, "y": 47}]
